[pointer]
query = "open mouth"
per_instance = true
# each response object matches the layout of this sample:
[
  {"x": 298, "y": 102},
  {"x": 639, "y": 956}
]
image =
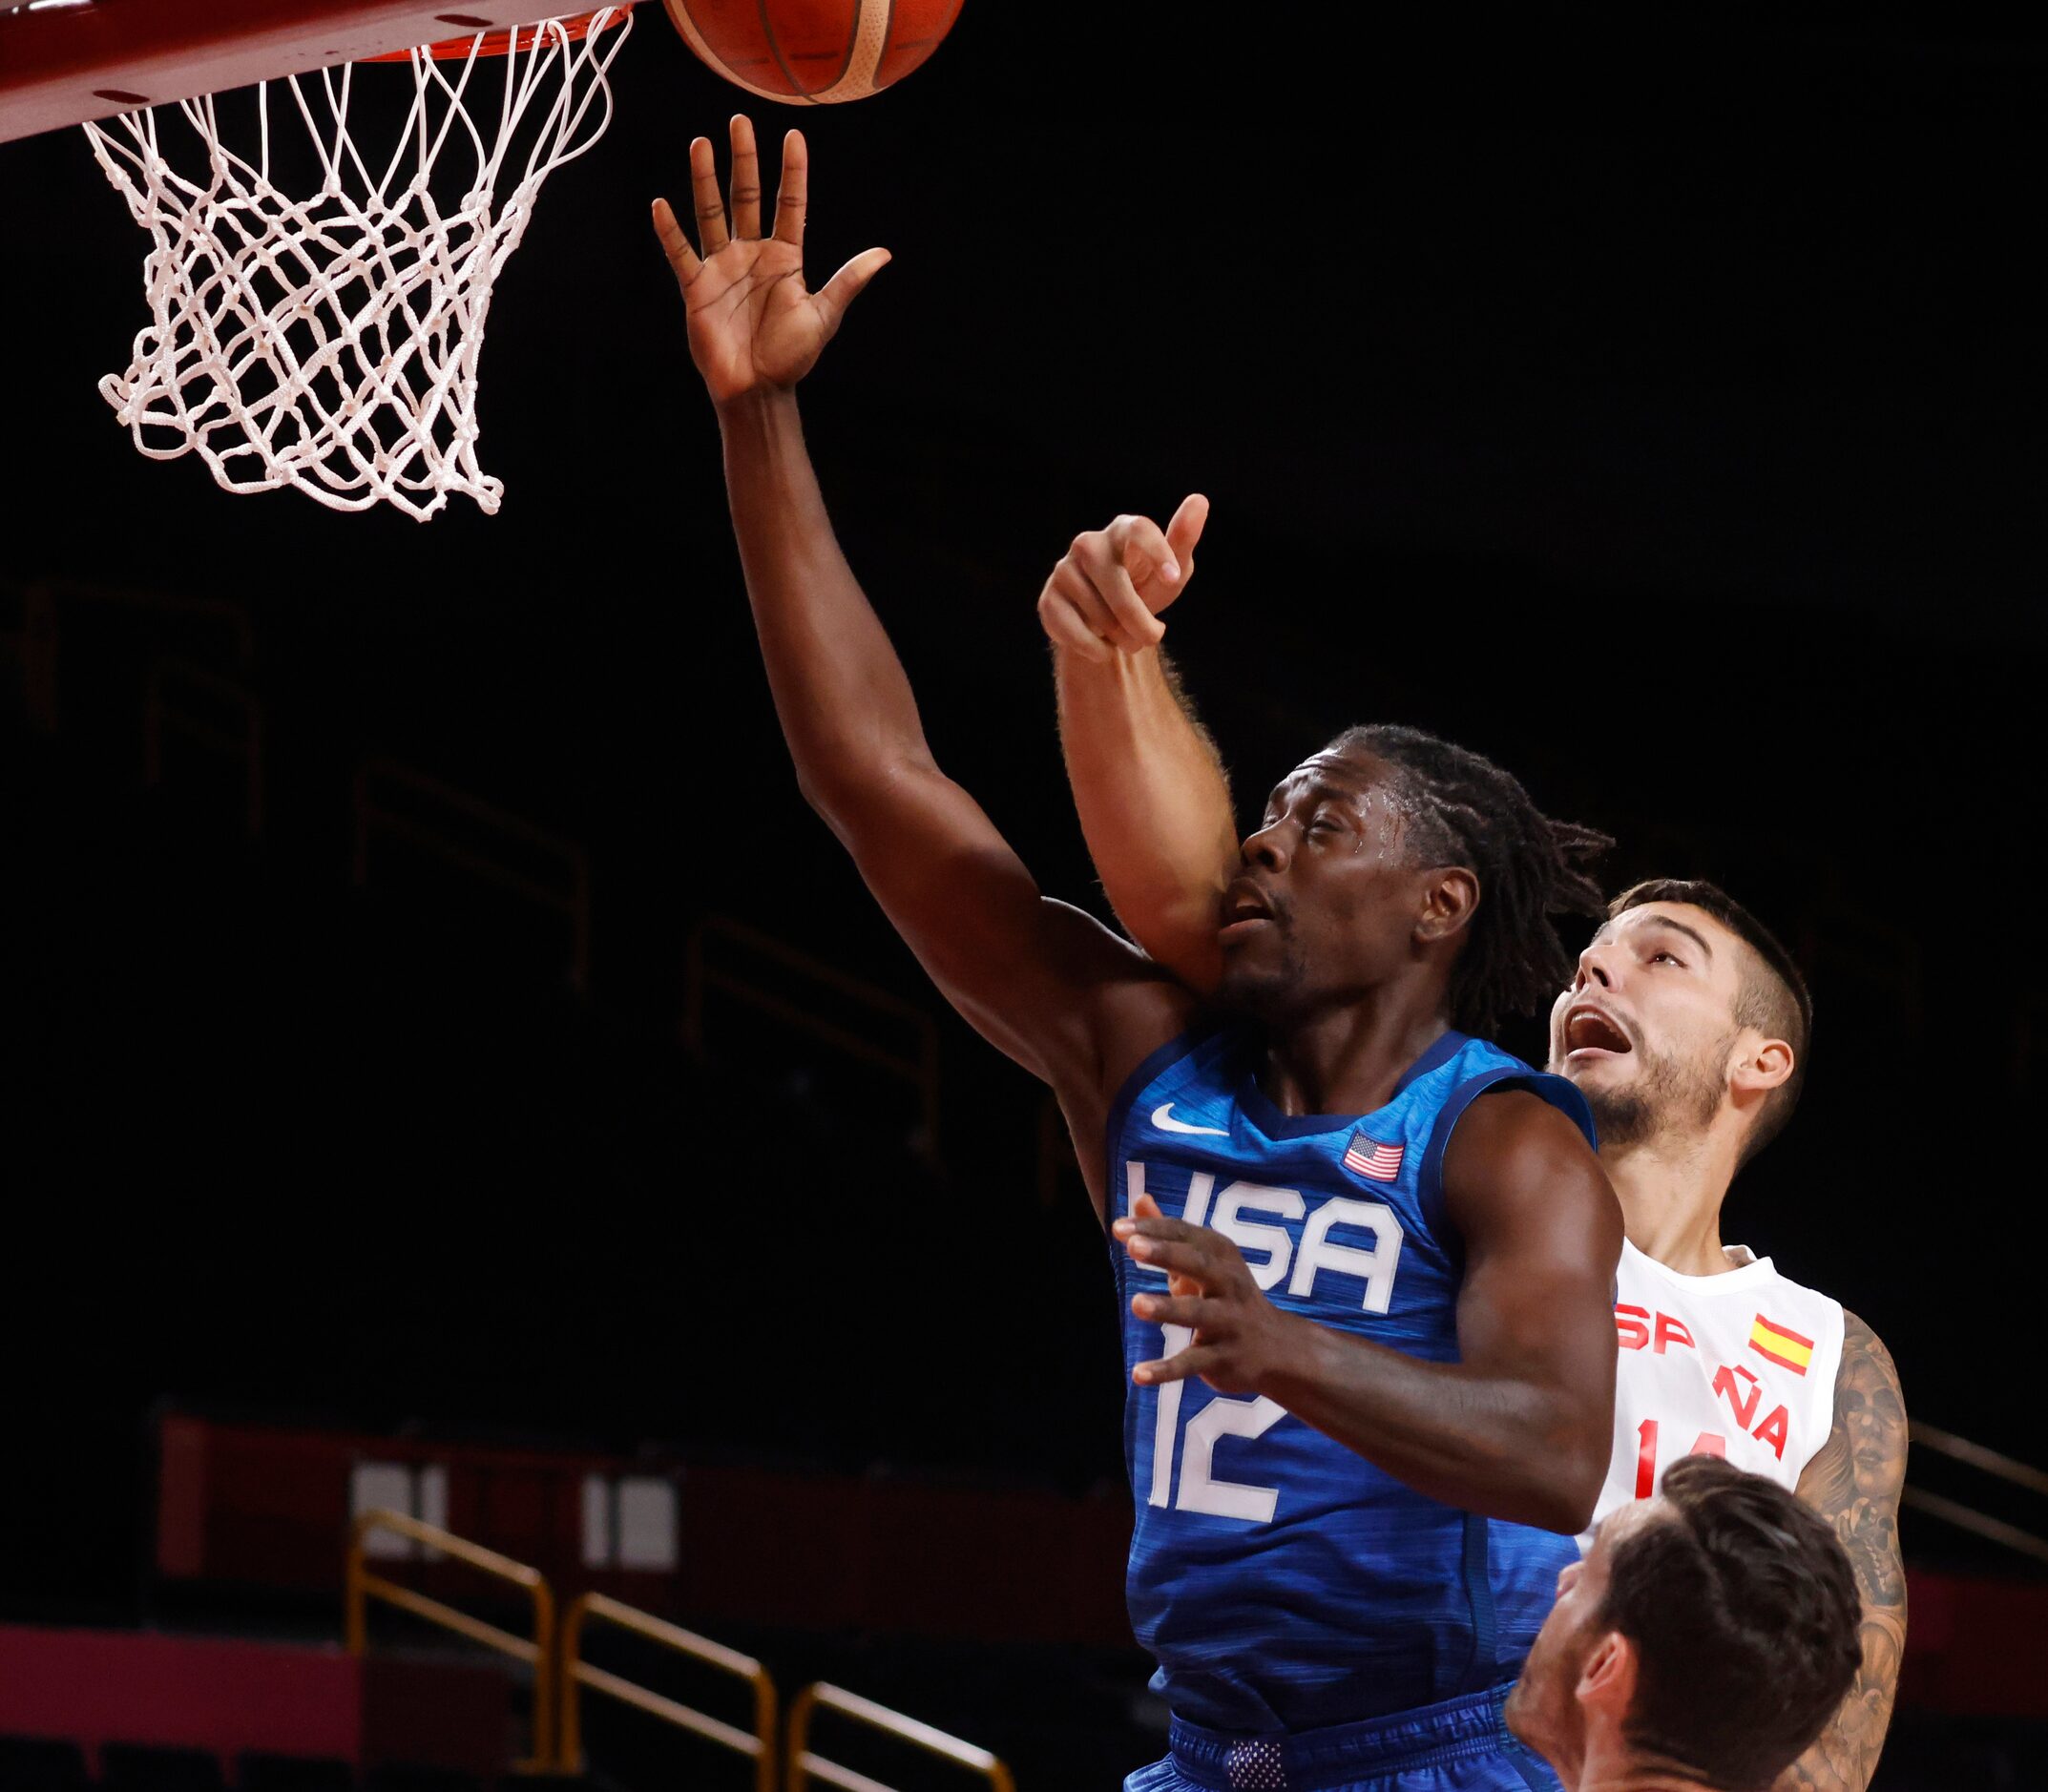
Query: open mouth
[
  {"x": 1591, "y": 1030},
  {"x": 1242, "y": 911}
]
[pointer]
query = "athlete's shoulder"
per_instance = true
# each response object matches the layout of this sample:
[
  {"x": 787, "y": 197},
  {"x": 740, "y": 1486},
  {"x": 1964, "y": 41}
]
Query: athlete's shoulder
[{"x": 1520, "y": 1132}]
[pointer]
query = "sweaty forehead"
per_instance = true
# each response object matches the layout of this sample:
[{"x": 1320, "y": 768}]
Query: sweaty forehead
[{"x": 1353, "y": 777}]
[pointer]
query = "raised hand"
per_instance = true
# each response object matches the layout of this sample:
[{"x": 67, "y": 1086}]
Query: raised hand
[
  {"x": 752, "y": 321},
  {"x": 1105, "y": 594},
  {"x": 1239, "y": 1335}
]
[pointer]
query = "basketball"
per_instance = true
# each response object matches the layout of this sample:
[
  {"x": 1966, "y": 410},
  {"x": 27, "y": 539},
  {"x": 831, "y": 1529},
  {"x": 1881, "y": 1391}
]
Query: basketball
[{"x": 813, "y": 53}]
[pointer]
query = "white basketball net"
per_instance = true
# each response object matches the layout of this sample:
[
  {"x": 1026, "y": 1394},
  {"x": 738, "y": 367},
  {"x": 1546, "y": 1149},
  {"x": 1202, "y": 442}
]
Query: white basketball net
[{"x": 331, "y": 343}]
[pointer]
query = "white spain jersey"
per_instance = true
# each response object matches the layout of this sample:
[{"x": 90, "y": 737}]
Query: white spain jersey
[{"x": 1741, "y": 1365}]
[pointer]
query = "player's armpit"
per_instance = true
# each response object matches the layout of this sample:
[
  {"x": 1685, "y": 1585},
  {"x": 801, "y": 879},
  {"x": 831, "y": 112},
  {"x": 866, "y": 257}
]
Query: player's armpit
[
  {"x": 1854, "y": 1482},
  {"x": 1045, "y": 984}
]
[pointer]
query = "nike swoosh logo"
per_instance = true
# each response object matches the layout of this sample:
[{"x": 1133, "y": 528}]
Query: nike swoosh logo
[{"x": 1163, "y": 1118}]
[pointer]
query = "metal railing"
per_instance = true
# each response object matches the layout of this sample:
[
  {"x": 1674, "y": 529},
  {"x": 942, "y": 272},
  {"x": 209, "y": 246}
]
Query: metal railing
[
  {"x": 918, "y": 1067},
  {"x": 806, "y": 1768},
  {"x": 1992, "y": 1462},
  {"x": 374, "y": 816},
  {"x": 33, "y": 648},
  {"x": 167, "y": 709},
  {"x": 538, "y": 1653},
  {"x": 756, "y": 1745}
]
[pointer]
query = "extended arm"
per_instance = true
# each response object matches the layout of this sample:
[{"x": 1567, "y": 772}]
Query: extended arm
[
  {"x": 1520, "y": 1428},
  {"x": 1047, "y": 984},
  {"x": 1150, "y": 788},
  {"x": 1855, "y": 1482}
]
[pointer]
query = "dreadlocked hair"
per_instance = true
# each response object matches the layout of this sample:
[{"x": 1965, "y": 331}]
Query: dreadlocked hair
[{"x": 1467, "y": 811}]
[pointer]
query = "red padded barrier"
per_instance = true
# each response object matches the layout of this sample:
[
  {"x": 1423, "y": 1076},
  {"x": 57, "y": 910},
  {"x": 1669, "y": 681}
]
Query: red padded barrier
[
  {"x": 270, "y": 1506},
  {"x": 95, "y": 1687},
  {"x": 188, "y": 1692}
]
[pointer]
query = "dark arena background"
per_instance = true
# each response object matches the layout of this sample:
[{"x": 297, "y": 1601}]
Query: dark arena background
[{"x": 448, "y": 1067}]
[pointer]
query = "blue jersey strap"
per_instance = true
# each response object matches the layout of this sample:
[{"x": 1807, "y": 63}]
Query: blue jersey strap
[{"x": 1562, "y": 1095}]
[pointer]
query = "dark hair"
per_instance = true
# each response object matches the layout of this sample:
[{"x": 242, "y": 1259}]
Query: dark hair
[
  {"x": 1773, "y": 997},
  {"x": 1530, "y": 868},
  {"x": 1744, "y": 1611}
]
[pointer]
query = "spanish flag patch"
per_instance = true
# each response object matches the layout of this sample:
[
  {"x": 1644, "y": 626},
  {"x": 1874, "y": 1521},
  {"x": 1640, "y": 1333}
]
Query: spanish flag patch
[{"x": 1775, "y": 1344}]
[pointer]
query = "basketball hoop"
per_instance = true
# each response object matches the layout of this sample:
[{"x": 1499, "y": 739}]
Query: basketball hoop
[{"x": 331, "y": 343}]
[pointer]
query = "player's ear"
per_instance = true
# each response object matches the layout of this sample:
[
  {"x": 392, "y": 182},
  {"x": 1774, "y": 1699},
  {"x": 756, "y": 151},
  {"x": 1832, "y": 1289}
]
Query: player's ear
[
  {"x": 1760, "y": 1065},
  {"x": 1449, "y": 894},
  {"x": 1607, "y": 1680}
]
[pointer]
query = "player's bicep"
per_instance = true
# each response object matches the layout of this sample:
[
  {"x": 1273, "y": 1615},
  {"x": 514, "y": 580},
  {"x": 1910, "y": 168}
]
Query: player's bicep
[
  {"x": 1542, "y": 1236},
  {"x": 1036, "y": 978}
]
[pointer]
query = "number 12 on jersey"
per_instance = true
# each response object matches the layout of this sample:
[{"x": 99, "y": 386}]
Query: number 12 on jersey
[{"x": 1200, "y": 1491}]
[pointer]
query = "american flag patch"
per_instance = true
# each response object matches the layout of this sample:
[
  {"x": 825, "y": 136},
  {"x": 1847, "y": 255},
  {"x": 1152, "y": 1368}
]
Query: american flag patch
[{"x": 1368, "y": 1157}]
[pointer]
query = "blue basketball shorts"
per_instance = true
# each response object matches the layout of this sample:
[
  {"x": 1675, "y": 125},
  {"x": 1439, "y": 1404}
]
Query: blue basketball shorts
[{"x": 1460, "y": 1745}]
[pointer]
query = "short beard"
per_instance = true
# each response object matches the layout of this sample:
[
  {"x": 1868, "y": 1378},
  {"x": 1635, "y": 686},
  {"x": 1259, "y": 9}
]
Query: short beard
[
  {"x": 1265, "y": 996},
  {"x": 1666, "y": 1096}
]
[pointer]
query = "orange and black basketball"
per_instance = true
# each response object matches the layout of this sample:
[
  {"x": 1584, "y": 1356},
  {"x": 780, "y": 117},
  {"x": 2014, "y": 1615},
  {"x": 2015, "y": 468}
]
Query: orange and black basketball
[{"x": 813, "y": 53}]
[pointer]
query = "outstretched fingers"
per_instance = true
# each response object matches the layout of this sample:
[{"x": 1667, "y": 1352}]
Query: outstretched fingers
[
  {"x": 746, "y": 179},
  {"x": 674, "y": 244},
  {"x": 793, "y": 195},
  {"x": 709, "y": 207}
]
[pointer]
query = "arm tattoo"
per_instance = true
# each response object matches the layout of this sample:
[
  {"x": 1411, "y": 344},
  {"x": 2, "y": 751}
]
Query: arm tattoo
[{"x": 1854, "y": 1482}]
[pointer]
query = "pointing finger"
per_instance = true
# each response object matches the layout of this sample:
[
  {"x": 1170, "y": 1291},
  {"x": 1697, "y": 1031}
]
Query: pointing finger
[{"x": 1184, "y": 530}]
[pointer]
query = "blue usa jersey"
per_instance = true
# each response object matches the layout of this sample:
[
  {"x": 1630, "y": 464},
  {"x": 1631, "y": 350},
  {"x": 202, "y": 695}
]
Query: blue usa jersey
[{"x": 1281, "y": 1581}]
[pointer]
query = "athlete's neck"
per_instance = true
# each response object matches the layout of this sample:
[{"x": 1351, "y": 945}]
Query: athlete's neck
[
  {"x": 1671, "y": 1189},
  {"x": 1610, "y": 1765},
  {"x": 1621, "y": 1777},
  {"x": 1347, "y": 1060}
]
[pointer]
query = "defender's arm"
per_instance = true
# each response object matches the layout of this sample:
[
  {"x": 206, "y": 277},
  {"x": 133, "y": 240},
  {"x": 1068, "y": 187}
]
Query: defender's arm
[
  {"x": 1154, "y": 803},
  {"x": 1152, "y": 794},
  {"x": 1854, "y": 1482},
  {"x": 1522, "y": 1426}
]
